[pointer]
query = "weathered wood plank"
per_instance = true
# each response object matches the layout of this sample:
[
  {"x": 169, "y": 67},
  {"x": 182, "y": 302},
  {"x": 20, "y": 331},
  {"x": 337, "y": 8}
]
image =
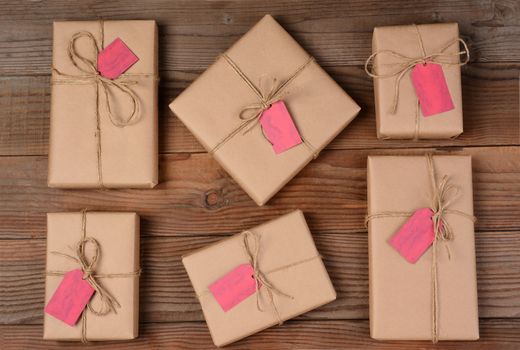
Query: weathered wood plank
[
  {"x": 167, "y": 295},
  {"x": 195, "y": 195},
  {"x": 297, "y": 334},
  {"x": 337, "y": 33},
  {"x": 490, "y": 93}
]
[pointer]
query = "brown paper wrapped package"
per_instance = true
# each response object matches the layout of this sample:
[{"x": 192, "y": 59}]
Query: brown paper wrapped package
[
  {"x": 128, "y": 156},
  {"x": 210, "y": 109},
  {"x": 401, "y": 292},
  {"x": 118, "y": 237},
  {"x": 284, "y": 241},
  {"x": 408, "y": 121}
]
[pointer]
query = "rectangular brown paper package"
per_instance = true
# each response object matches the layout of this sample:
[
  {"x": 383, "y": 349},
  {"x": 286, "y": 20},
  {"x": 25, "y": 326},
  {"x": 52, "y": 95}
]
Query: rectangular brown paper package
[
  {"x": 434, "y": 298},
  {"x": 290, "y": 274},
  {"x": 395, "y": 51},
  {"x": 116, "y": 271},
  {"x": 103, "y": 132}
]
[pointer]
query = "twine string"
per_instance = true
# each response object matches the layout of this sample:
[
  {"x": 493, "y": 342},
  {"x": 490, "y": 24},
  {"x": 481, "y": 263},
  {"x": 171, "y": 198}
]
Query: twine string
[
  {"x": 443, "y": 194},
  {"x": 252, "y": 249}
]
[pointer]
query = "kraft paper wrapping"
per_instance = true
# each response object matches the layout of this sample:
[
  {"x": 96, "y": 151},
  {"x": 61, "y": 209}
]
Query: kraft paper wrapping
[
  {"x": 118, "y": 237},
  {"x": 210, "y": 109},
  {"x": 401, "y": 292},
  {"x": 129, "y": 155},
  {"x": 286, "y": 240},
  {"x": 408, "y": 121}
]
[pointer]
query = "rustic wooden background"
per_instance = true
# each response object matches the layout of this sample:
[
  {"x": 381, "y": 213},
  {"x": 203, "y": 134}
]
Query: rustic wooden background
[{"x": 196, "y": 202}]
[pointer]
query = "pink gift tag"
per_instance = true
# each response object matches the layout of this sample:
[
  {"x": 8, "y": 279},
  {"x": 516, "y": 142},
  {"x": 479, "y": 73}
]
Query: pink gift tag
[
  {"x": 279, "y": 127},
  {"x": 415, "y": 236},
  {"x": 234, "y": 287},
  {"x": 70, "y": 299},
  {"x": 115, "y": 59},
  {"x": 431, "y": 89}
]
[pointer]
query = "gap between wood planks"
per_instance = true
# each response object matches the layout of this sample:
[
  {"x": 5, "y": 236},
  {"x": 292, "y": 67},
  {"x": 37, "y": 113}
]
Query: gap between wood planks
[
  {"x": 179, "y": 204},
  {"x": 438, "y": 149}
]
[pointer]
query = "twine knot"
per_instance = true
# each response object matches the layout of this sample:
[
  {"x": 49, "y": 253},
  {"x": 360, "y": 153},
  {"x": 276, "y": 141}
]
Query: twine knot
[
  {"x": 252, "y": 250},
  {"x": 443, "y": 196},
  {"x": 250, "y": 114},
  {"x": 267, "y": 97},
  {"x": 87, "y": 273}
]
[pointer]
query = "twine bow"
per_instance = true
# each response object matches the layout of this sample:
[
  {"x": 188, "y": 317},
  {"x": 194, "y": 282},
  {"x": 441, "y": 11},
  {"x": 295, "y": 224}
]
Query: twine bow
[
  {"x": 88, "y": 266},
  {"x": 259, "y": 277},
  {"x": 443, "y": 195},
  {"x": 409, "y": 63},
  {"x": 250, "y": 114},
  {"x": 92, "y": 75}
]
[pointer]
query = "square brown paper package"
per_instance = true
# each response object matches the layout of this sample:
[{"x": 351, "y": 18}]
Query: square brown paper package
[
  {"x": 396, "y": 46},
  {"x": 288, "y": 260},
  {"x": 402, "y": 299},
  {"x": 123, "y": 152},
  {"x": 211, "y": 108},
  {"x": 116, "y": 270}
]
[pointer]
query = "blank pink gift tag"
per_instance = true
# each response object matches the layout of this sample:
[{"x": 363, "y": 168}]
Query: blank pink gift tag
[
  {"x": 234, "y": 287},
  {"x": 279, "y": 127},
  {"x": 115, "y": 59},
  {"x": 70, "y": 299},
  {"x": 415, "y": 236},
  {"x": 431, "y": 89}
]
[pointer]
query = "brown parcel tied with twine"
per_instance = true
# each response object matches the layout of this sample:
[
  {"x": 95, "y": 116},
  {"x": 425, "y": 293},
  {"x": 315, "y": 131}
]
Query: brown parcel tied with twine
[
  {"x": 103, "y": 132},
  {"x": 435, "y": 298},
  {"x": 115, "y": 271},
  {"x": 222, "y": 107},
  {"x": 396, "y": 49},
  {"x": 289, "y": 271}
]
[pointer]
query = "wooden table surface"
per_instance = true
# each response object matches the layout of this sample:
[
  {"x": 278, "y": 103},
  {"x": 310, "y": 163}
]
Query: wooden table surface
[{"x": 197, "y": 203}]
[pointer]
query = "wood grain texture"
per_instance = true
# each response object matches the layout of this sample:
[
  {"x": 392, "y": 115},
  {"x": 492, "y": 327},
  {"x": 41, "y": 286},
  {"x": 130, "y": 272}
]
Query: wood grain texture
[
  {"x": 167, "y": 295},
  {"x": 196, "y": 197},
  {"x": 498, "y": 334},
  {"x": 490, "y": 93}
]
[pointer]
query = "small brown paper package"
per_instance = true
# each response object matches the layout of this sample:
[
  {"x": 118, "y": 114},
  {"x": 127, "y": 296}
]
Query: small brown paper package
[
  {"x": 116, "y": 271},
  {"x": 290, "y": 274},
  {"x": 103, "y": 132},
  {"x": 396, "y": 50},
  {"x": 434, "y": 298},
  {"x": 223, "y": 106}
]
